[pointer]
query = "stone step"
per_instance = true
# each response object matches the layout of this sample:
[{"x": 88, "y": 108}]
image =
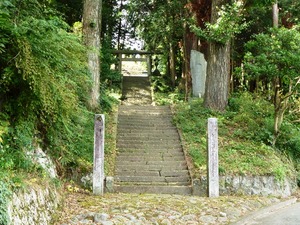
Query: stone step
[
  {"x": 133, "y": 79},
  {"x": 135, "y": 159},
  {"x": 158, "y": 163},
  {"x": 167, "y": 129},
  {"x": 141, "y": 113},
  {"x": 141, "y": 96},
  {"x": 155, "y": 133},
  {"x": 150, "y": 129},
  {"x": 168, "y": 138},
  {"x": 145, "y": 116},
  {"x": 164, "y": 173},
  {"x": 146, "y": 123},
  {"x": 148, "y": 144},
  {"x": 150, "y": 154},
  {"x": 142, "y": 107},
  {"x": 171, "y": 135},
  {"x": 157, "y": 124},
  {"x": 151, "y": 189},
  {"x": 150, "y": 157},
  {"x": 127, "y": 145},
  {"x": 129, "y": 87},
  {"x": 153, "y": 110},
  {"x": 150, "y": 151},
  {"x": 152, "y": 142},
  {"x": 142, "y": 135},
  {"x": 149, "y": 140},
  {"x": 154, "y": 183},
  {"x": 147, "y": 147},
  {"x": 183, "y": 180},
  {"x": 150, "y": 123},
  {"x": 147, "y": 108},
  {"x": 150, "y": 168}
]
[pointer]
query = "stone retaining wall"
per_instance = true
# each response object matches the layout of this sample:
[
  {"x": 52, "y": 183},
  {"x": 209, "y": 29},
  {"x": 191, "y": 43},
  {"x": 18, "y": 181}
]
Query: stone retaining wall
[
  {"x": 248, "y": 185},
  {"x": 34, "y": 206}
]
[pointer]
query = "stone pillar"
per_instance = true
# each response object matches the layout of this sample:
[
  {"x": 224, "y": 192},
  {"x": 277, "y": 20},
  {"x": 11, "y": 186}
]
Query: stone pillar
[
  {"x": 198, "y": 72},
  {"x": 212, "y": 158},
  {"x": 98, "y": 168}
]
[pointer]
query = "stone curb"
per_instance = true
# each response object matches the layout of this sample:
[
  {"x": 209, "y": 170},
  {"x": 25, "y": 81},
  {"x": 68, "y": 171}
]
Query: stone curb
[{"x": 249, "y": 219}]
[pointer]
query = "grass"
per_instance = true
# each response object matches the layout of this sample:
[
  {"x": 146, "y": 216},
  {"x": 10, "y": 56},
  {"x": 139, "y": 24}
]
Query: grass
[
  {"x": 110, "y": 141},
  {"x": 244, "y": 137}
]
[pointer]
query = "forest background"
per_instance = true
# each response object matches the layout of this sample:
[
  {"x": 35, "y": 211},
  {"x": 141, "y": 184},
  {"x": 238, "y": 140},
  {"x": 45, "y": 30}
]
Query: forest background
[{"x": 49, "y": 95}]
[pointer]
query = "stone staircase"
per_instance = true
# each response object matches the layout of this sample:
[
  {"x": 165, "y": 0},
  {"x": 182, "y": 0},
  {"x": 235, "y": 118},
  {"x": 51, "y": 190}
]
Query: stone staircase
[
  {"x": 136, "y": 91},
  {"x": 150, "y": 156}
]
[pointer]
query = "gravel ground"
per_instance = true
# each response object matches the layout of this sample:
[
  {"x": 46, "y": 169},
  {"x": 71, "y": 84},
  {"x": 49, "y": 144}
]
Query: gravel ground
[{"x": 135, "y": 209}]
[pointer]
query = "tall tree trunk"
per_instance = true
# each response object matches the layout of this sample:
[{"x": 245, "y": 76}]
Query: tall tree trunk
[
  {"x": 91, "y": 34},
  {"x": 172, "y": 52},
  {"x": 172, "y": 64},
  {"x": 275, "y": 11},
  {"x": 120, "y": 28},
  {"x": 218, "y": 69},
  {"x": 279, "y": 109}
]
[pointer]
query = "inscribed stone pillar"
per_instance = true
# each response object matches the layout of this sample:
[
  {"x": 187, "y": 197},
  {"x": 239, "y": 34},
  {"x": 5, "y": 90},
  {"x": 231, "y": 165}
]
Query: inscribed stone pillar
[
  {"x": 212, "y": 158},
  {"x": 98, "y": 168},
  {"x": 198, "y": 71}
]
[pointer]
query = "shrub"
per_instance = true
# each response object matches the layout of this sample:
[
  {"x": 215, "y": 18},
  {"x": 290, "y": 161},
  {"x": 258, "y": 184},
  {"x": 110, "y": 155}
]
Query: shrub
[
  {"x": 252, "y": 117},
  {"x": 44, "y": 88}
]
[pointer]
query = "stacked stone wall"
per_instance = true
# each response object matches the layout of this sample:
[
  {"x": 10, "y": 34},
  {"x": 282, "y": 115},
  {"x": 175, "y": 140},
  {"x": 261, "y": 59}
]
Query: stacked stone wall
[
  {"x": 33, "y": 206},
  {"x": 248, "y": 185}
]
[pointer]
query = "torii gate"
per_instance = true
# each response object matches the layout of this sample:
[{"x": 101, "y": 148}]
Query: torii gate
[{"x": 148, "y": 58}]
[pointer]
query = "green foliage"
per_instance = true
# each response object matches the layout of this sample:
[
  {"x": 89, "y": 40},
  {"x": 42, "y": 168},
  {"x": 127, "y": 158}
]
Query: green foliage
[
  {"x": 72, "y": 146},
  {"x": 252, "y": 117},
  {"x": 161, "y": 84},
  {"x": 273, "y": 54},
  {"x": 71, "y": 9},
  {"x": 229, "y": 23},
  {"x": 4, "y": 195},
  {"x": 5, "y": 26},
  {"x": 157, "y": 15},
  {"x": 165, "y": 97},
  {"x": 44, "y": 88},
  {"x": 289, "y": 11},
  {"x": 244, "y": 137},
  {"x": 16, "y": 140},
  {"x": 110, "y": 141},
  {"x": 289, "y": 140},
  {"x": 107, "y": 100},
  {"x": 111, "y": 78}
]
